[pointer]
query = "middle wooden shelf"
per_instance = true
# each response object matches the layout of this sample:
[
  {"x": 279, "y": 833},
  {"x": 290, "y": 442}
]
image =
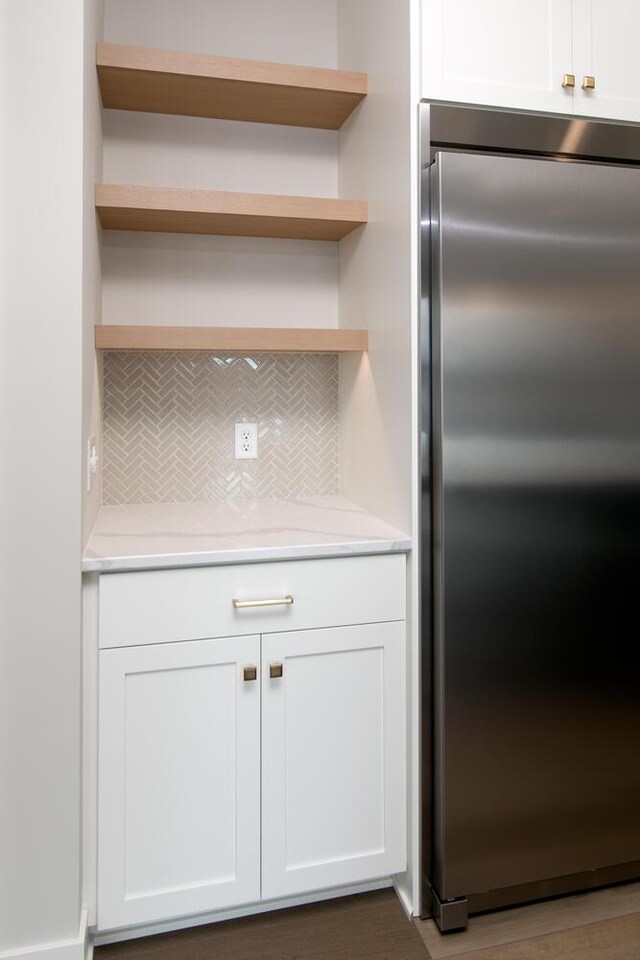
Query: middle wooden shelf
[{"x": 185, "y": 210}]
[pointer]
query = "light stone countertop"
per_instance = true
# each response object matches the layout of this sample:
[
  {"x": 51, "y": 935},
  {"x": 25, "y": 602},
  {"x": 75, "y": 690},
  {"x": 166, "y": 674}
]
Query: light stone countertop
[{"x": 150, "y": 536}]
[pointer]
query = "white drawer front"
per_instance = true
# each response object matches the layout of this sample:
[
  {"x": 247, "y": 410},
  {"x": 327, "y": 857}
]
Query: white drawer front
[{"x": 161, "y": 606}]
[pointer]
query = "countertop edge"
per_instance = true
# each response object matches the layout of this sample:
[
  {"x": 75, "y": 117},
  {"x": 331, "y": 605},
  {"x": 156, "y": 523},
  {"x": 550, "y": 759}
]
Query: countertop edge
[{"x": 244, "y": 555}]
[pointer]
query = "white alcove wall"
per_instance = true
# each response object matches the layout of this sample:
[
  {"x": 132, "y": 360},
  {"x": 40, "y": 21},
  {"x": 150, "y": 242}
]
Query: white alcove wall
[
  {"x": 209, "y": 280},
  {"x": 368, "y": 280},
  {"x": 379, "y": 287}
]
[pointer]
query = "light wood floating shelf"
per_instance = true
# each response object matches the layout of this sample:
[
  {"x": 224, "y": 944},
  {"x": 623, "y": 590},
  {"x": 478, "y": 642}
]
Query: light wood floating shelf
[
  {"x": 257, "y": 339},
  {"x": 176, "y": 210},
  {"x": 196, "y": 85}
]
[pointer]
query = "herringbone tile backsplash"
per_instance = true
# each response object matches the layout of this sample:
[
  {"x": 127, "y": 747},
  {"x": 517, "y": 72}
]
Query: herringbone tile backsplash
[{"x": 169, "y": 426}]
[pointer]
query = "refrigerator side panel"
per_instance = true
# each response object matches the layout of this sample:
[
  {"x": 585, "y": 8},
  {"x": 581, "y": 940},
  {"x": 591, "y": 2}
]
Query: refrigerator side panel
[
  {"x": 439, "y": 783},
  {"x": 537, "y": 520}
]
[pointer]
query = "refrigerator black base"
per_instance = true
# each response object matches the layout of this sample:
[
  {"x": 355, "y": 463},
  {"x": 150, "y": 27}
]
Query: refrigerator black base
[
  {"x": 451, "y": 915},
  {"x": 555, "y": 887}
]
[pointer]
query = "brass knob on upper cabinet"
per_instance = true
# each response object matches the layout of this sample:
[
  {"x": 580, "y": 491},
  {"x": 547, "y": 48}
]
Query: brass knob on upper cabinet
[
  {"x": 569, "y": 80},
  {"x": 589, "y": 83},
  {"x": 275, "y": 671},
  {"x": 249, "y": 674}
]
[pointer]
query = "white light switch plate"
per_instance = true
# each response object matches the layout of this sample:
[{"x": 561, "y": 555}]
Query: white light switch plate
[{"x": 92, "y": 461}]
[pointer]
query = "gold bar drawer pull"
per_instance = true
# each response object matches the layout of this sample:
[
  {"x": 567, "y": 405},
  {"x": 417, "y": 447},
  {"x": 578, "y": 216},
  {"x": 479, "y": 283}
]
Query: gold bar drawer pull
[{"x": 280, "y": 601}]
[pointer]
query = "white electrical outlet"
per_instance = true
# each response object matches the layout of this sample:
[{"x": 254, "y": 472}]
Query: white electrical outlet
[
  {"x": 246, "y": 441},
  {"x": 92, "y": 461}
]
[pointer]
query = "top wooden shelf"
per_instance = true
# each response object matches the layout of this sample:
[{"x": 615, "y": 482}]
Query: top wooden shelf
[{"x": 196, "y": 85}]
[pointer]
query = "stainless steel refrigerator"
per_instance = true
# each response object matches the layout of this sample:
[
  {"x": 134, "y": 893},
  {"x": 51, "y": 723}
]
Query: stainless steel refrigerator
[{"x": 531, "y": 509}]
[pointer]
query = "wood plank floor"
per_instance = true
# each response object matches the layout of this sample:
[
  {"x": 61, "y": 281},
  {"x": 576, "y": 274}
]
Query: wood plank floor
[
  {"x": 371, "y": 926},
  {"x": 600, "y": 925},
  {"x": 617, "y": 939}
]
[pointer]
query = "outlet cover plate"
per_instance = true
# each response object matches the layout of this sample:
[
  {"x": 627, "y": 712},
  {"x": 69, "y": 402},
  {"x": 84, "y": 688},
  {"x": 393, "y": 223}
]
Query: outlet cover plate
[{"x": 246, "y": 441}]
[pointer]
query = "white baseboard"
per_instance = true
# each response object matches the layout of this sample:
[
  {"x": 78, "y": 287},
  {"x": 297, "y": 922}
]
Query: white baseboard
[
  {"x": 79, "y": 948},
  {"x": 167, "y": 926},
  {"x": 405, "y": 899}
]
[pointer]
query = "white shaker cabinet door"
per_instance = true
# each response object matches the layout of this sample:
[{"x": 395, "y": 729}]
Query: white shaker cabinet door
[
  {"x": 179, "y": 791},
  {"x": 333, "y": 759},
  {"x": 507, "y": 53},
  {"x": 607, "y": 40}
]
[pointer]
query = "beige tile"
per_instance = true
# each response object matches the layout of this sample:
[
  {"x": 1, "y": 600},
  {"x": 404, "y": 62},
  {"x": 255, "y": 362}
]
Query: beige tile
[
  {"x": 169, "y": 426},
  {"x": 521, "y": 923}
]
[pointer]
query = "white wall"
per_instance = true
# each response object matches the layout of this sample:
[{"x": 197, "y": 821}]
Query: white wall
[
  {"x": 375, "y": 157},
  {"x": 286, "y": 31},
  {"x": 172, "y": 279},
  {"x": 92, "y": 265},
  {"x": 379, "y": 290},
  {"x": 40, "y": 477}
]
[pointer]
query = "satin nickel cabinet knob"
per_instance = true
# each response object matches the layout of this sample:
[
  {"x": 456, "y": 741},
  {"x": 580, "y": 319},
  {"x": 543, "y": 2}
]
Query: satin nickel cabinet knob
[
  {"x": 569, "y": 80},
  {"x": 589, "y": 83},
  {"x": 275, "y": 671},
  {"x": 249, "y": 673}
]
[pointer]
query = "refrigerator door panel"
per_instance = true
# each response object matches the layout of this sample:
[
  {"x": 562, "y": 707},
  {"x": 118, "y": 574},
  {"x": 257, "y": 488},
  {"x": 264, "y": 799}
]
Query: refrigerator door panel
[{"x": 536, "y": 404}]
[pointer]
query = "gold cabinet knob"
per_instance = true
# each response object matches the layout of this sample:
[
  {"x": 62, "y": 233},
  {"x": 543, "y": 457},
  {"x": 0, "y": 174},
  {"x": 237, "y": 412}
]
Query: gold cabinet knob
[
  {"x": 569, "y": 80},
  {"x": 249, "y": 673},
  {"x": 589, "y": 83},
  {"x": 275, "y": 671}
]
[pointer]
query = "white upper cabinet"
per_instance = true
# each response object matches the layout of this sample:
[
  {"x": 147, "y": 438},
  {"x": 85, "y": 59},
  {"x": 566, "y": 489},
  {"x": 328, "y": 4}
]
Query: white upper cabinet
[
  {"x": 499, "y": 52},
  {"x": 550, "y": 56},
  {"x": 607, "y": 33}
]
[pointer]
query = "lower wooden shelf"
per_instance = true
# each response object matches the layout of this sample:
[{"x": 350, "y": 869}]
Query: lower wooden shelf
[
  {"x": 179, "y": 210},
  {"x": 268, "y": 339}
]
